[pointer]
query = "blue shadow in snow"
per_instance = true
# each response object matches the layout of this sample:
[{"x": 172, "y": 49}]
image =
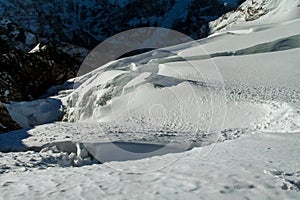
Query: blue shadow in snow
[{"x": 12, "y": 141}]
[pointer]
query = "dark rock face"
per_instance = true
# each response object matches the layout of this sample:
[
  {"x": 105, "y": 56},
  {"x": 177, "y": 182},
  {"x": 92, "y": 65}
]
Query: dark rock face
[
  {"x": 6, "y": 122},
  {"x": 88, "y": 22},
  {"x": 26, "y": 76}
]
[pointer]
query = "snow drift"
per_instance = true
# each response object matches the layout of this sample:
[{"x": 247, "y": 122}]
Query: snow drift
[{"x": 161, "y": 98}]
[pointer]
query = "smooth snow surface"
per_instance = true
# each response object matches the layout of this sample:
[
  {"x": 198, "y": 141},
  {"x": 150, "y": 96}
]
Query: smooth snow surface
[
  {"x": 232, "y": 101},
  {"x": 261, "y": 166}
]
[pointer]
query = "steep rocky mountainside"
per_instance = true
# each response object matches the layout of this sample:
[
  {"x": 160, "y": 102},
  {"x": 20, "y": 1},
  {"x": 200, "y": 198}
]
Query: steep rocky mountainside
[
  {"x": 88, "y": 22},
  {"x": 26, "y": 76}
]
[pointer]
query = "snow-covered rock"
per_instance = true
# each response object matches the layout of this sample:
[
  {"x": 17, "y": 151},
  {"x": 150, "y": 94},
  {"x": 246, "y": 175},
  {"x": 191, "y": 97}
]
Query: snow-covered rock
[
  {"x": 258, "y": 11},
  {"x": 30, "y": 114},
  {"x": 38, "y": 48}
]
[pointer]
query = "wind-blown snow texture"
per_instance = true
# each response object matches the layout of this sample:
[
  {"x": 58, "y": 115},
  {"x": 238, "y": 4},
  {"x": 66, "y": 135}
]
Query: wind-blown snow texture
[{"x": 157, "y": 99}]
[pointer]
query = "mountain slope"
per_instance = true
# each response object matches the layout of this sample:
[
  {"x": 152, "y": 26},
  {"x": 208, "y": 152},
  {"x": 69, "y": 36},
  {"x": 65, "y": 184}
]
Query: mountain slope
[
  {"x": 257, "y": 12},
  {"x": 69, "y": 28},
  {"x": 195, "y": 91},
  {"x": 233, "y": 97},
  {"x": 86, "y": 23}
]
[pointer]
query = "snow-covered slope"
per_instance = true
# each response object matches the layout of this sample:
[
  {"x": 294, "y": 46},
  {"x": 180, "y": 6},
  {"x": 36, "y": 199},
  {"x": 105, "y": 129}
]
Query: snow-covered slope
[
  {"x": 240, "y": 85},
  {"x": 256, "y": 13},
  {"x": 262, "y": 166},
  {"x": 194, "y": 91},
  {"x": 69, "y": 29},
  {"x": 154, "y": 92}
]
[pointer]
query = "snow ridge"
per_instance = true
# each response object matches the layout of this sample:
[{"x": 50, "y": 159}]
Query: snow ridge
[{"x": 252, "y": 10}]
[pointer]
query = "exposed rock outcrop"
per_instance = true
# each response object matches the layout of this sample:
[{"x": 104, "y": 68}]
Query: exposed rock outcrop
[
  {"x": 6, "y": 122},
  {"x": 85, "y": 23},
  {"x": 26, "y": 76}
]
